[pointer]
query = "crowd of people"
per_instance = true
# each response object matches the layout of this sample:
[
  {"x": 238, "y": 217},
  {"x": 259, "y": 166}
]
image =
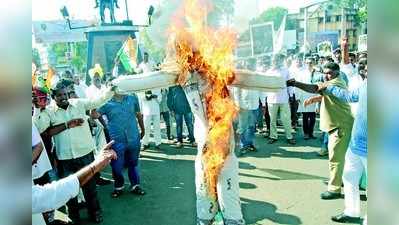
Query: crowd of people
[{"x": 72, "y": 124}]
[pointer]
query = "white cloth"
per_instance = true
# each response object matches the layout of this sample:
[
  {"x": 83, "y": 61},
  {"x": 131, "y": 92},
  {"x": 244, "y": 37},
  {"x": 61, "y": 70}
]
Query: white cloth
[
  {"x": 145, "y": 67},
  {"x": 246, "y": 99},
  {"x": 355, "y": 81},
  {"x": 285, "y": 114},
  {"x": 42, "y": 164},
  {"x": 93, "y": 92},
  {"x": 228, "y": 185},
  {"x": 54, "y": 195},
  {"x": 150, "y": 107},
  {"x": 304, "y": 76},
  {"x": 283, "y": 95},
  {"x": 354, "y": 167},
  {"x": 156, "y": 121},
  {"x": 80, "y": 90}
]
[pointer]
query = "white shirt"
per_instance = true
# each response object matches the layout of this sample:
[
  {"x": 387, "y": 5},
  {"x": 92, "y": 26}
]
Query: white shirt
[
  {"x": 283, "y": 95},
  {"x": 150, "y": 107},
  {"x": 246, "y": 99},
  {"x": 54, "y": 195},
  {"x": 145, "y": 67},
  {"x": 304, "y": 76},
  {"x": 93, "y": 92},
  {"x": 80, "y": 90},
  {"x": 42, "y": 164}
]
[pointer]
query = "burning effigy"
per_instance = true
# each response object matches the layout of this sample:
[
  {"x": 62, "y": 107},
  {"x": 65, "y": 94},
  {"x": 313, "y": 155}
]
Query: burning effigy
[{"x": 200, "y": 59}]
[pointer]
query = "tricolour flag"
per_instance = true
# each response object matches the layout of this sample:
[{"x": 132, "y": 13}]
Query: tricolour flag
[{"x": 128, "y": 54}]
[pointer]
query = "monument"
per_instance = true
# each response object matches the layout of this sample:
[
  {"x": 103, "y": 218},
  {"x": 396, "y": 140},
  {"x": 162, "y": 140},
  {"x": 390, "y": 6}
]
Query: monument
[{"x": 104, "y": 40}]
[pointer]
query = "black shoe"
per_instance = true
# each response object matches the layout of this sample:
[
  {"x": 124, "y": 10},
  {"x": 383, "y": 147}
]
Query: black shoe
[
  {"x": 306, "y": 137},
  {"x": 137, "y": 190},
  {"x": 97, "y": 217},
  {"x": 327, "y": 195},
  {"x": 291, "y": 141},
  {"x": 252, "y": 148},
  {"x": 342, "y": 218},
  {"x": 243, "y": 151},
  {"x": 146, "y": 147},
  {"x": 271, "y": 141},
  {"x": 59, "y": 222},
  {"x": 116, "y": 193},
  {"x": 101, "y": 181}
]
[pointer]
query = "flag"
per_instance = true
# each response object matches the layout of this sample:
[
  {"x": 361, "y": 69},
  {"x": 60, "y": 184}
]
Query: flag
[
  {"x": 49, "y": 78},
  {"x": 128, "y": 54},
  {"x": 279, "y": 37}
]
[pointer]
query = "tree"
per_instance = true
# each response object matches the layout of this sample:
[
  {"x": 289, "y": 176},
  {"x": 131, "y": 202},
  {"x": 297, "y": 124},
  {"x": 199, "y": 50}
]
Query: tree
[
  {"x": 359, "y": 5},
  {"x": 79, "y": 57},
  {"x": 275, "y": 15},
  {"x": 221, "y": 10}
]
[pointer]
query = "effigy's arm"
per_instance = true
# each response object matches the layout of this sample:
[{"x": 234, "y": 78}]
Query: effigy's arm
[
  {"x": 258, "y": 81},
  {"x": 144, "y": 81}
]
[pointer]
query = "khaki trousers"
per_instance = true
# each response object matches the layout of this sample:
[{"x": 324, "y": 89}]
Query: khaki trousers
[
  {"x": 285, "y": 114},
  {"x": 338, "y": 142}
]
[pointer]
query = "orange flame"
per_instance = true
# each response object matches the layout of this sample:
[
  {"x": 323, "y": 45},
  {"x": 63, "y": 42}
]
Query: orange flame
[{"x": 197, "y": 47}]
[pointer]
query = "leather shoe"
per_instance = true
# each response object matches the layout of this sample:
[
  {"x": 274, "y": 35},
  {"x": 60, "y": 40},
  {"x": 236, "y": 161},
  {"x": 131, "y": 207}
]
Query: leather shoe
[
  {"x": 97, "y": 217},
  {"x": 342, "y": 218},
  {"x": 327, "y": 195}
]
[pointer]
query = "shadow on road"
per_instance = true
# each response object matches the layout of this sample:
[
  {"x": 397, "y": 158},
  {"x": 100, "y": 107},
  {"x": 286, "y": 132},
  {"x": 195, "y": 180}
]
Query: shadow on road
[{"x": 257, "y": 211}]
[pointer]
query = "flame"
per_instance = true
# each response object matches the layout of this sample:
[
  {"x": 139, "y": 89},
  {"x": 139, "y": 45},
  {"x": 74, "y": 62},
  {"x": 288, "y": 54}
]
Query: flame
[{"x": 197, "y": 47}]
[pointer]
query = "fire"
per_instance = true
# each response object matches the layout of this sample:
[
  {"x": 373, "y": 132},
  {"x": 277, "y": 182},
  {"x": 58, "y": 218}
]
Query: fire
[{"x": 209, "y": 52}]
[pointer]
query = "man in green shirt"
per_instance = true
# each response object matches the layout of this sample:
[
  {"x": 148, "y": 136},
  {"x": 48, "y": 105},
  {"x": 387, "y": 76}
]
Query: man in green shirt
[
  {"x": 73, "y": 141},
  {"x": 336, "y": 119}
]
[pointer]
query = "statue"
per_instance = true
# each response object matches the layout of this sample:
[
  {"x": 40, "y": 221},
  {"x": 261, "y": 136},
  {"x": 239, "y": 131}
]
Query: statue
[{"x": 107, "y": 4}]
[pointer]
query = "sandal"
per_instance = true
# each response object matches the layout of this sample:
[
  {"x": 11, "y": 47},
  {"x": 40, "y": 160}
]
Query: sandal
[
  {"x": 137, "y": 191},
  {"x": 116, "y": 193}
]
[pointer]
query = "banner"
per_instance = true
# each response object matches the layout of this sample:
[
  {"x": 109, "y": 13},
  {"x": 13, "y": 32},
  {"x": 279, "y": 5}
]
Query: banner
[
  {"x": 262, "y": 39},
  {"x": 128, "y": 54}
]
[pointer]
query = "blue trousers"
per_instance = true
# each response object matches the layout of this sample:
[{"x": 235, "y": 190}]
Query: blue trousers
[
  {"x": 127, "y": 155},
  {"x": 188, "y": 117},
  {"x": 324, "y": 144},
  {"x": 246, "y": 126}
]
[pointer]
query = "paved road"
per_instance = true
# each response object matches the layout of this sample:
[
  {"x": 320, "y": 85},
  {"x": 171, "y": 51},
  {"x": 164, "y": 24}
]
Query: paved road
[{"x": 279, "y": 184}]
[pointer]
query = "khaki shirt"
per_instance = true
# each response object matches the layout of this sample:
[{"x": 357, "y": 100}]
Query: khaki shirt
[
  {"x": 335, "y": 113},
  {"x": 74, "y": 142}
]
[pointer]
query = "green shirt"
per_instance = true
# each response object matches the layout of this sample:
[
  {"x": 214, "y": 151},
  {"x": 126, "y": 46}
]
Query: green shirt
[
  {"x": 74, "y": 142},
  {"x": 335, "y": 113}
]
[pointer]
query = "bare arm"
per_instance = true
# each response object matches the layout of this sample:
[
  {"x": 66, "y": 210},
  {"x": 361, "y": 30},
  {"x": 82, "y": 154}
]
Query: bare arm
[
  {"x": 37, "y": 150},
  {"x": 311, "y": 88},
  {"x": 139, "y": 117},
  {"x": 312, "y": 100},
  {"x": 56, "y": 129}
]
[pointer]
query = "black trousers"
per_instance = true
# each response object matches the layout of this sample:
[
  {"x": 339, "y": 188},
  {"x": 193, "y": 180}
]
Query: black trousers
[
  {"x": 267, "y": 117},
  {"x": 309, "y": 120},
  {"x": 70, "y": 166},
  {"x": 294, "y": 117}
]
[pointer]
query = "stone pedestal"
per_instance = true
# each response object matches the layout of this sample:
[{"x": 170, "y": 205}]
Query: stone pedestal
[{"x": 103, "y": 44}]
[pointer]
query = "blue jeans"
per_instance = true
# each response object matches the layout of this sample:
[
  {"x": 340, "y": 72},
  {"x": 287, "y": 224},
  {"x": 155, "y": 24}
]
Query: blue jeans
[
  {"x": 188, "y": 118},
  {"x": 246, "y": 124},
  {"x": 324, "y": 144},
  {"x": 128, "y": 154}
]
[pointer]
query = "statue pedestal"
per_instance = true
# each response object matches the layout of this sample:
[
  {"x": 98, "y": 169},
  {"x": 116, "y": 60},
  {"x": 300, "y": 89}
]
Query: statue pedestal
[{"x": 103, "y": 44}]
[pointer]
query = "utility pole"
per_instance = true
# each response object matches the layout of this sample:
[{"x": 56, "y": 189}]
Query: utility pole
[{"x": 127, "y": 11}]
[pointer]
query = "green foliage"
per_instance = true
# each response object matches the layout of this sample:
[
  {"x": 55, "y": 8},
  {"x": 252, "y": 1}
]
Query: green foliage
[
  {"x": 79, "y": 58},
  {"x": 156, "y": 53},
  {"x": 275, "y": 15},
  {"x": 359, "y": 5}
]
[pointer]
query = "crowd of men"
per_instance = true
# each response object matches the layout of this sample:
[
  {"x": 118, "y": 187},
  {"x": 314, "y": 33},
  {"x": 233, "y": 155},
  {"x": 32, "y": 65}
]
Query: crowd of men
[{"x": 76, "y": 121}]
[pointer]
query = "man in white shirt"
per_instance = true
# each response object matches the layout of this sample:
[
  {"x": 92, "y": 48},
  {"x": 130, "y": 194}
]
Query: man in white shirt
[
  {"x": 308, "y": 76},
  {"x": 145, "y": 66},
  {"x": 248, "y": 101},
  {"x": 79, "y": 86},
  {"x": 280, "y": 101},
  {"x": 52, "y": 196},
  {"x": 151, "y": 114}
]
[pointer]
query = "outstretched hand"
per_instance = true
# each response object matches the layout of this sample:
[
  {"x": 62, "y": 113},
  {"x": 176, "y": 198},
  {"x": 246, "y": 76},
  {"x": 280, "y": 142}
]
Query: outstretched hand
[
  {"x": 106, "y": 155},
  {"x": 290, "y": 82}
]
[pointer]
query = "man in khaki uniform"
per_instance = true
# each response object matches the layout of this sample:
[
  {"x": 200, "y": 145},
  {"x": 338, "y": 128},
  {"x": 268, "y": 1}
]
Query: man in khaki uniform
[{"x": 336, "y": 119}]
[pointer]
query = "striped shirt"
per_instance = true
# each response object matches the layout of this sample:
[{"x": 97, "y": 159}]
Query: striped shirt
[{"x": 358, "y": 144}]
